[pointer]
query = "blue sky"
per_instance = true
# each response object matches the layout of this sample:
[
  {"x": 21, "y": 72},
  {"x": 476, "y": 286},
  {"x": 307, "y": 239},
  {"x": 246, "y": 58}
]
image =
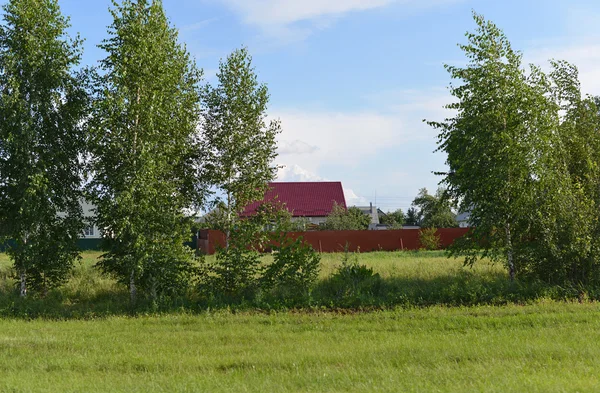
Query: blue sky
[{"x": 352, "y": 80}]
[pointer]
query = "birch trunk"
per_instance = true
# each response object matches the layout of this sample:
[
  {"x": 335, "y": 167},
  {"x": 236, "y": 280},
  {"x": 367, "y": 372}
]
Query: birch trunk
[
  {"x": 23, "y": 279},
  {"x": 153, "y": 292},
  {"x": 228, "y": 229},
  {"x": 132, "y": 288},
  {"x": 509, "y": 249},
  {"x": 509, "y": 253},
  {"x": 23, "y": 274}
]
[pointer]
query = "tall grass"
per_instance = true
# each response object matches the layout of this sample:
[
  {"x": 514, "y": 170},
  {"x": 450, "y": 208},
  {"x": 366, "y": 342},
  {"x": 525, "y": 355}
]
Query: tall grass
[{"x": 407, "y": 279}]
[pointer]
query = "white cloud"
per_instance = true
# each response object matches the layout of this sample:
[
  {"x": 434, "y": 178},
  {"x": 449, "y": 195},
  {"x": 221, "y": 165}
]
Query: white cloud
[
  {"x": 316, "y": 144},
  {"x": 312, "y": 139},
  {"x": 294, "y": 20},
  {"x": 197, "y": 26},
  {"x": 585, "y": 54},
  {"x": 295, "y": 173},
  {"x": 285, "y": 12},
  {"x": 343, "y": 138},
  {"x": 578, "y": 45},
  {"x": 354, "y": 200},
  {"x": 296, "y": 147}
]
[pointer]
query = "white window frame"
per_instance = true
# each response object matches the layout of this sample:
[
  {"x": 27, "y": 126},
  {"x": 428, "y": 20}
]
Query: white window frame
[{"x": 89, "y": 231}]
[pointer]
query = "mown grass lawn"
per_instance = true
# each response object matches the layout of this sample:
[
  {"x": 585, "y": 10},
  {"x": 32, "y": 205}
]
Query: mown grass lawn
[{"x": 545, "y": 347}]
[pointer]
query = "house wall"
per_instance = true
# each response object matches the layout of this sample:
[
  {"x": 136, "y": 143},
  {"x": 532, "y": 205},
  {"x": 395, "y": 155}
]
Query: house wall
[
  {"x": 312, "y": 220},
  {"x": 335, "y": 241},
  {"x": 88, "y": 214},
  {"x": 94, "y": 241}
]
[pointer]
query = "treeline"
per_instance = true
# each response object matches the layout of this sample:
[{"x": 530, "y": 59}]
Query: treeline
[
  {"x": 427, "y": 211},
  {"x": 523, "y": 150},
  {"x": 141, "y": 136}
]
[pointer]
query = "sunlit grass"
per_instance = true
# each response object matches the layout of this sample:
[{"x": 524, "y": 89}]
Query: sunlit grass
[
  {"x": 418, "y": 265},
  {"x": 408, "y": 279},
  {"x": 545, "y": 347},
  {"x": 498, "y": 336}
]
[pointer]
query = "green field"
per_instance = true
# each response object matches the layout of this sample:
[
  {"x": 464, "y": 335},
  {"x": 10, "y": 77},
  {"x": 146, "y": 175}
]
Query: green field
[
  {"x": 83, "y": 338},
  {"x": 550, "y": 347}
]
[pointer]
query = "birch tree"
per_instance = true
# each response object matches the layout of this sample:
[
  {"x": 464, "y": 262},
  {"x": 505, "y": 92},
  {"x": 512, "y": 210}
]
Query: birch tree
[
  {"x": 42, "y": 104},
  {"x": 146, "y": 118},
  {"x": 238, "y": 144},
  {"x": 499, "y": 145},
  {"x": 568, "y": 234},
  {"x": 524, "y": 153}
]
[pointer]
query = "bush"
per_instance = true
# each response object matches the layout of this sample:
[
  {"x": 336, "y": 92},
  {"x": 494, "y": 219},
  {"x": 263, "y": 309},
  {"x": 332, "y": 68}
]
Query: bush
[
  {"x": 238, "y": 276},
  {"x": 352, "y": 284},
  {"x": 233, "y": 277},
  {"x": 342, "y": 219},
  {"x": 429, "y": 239},
  {"x": 292, "y": 274}
]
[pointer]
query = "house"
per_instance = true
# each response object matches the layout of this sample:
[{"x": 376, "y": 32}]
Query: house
[
  {"x": 311, "y": 201},
  {"x": 373, "y": 214},
  {"x": 91, "y": 230},
  {"x": 464, "y": 219},
  {"x": 91, "y": 237}
]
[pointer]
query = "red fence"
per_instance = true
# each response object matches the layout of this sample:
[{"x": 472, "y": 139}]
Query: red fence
[{"x": 334, "y": 241}]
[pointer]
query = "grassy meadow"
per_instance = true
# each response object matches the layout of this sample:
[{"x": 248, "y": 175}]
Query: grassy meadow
[
  {"x": 405, "y": 279},
  {"x": 434, "y": 326},
  {"x": 546, "y": 347}
]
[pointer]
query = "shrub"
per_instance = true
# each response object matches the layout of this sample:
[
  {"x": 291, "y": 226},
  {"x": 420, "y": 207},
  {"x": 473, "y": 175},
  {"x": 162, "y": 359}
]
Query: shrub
[
  {"x": 237, "y": 275},
  {"x": 342, "y": 219},
  {"x": 233, "y": 277},
  {"x": 429, "y": 239},
  {"x": 352, "y": 284},
  {"x": 294, "y": 270}
]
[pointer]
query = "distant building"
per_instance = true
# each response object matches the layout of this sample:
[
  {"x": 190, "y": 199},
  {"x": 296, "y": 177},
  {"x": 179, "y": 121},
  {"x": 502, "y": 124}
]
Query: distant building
[
  {"x": 91, "y": 237},
  {"x": 372, "y": 212},
  {"x": 312, "y": 201},
  {"x": 464, "y": 219},
  {"x": 91, "y": 230}
]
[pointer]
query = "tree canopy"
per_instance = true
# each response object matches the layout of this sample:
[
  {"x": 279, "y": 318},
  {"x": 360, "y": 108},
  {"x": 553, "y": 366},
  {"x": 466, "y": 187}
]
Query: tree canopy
[
  {"x": 522, "y": 155},
  {"x": 434, "y": 210},
  {"x": 394, "y": 219},
  {"x": 412, "y": 217},
  {"x": 342, "y": 219},
  {"x": 238, "y": 144},
  {"x": 42, "y": 106},
  {"x": 144, "y": 147}
]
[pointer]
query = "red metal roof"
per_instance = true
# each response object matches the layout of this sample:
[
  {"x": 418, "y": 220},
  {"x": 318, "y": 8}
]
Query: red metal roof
[{"x": 303, "y": 199}]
